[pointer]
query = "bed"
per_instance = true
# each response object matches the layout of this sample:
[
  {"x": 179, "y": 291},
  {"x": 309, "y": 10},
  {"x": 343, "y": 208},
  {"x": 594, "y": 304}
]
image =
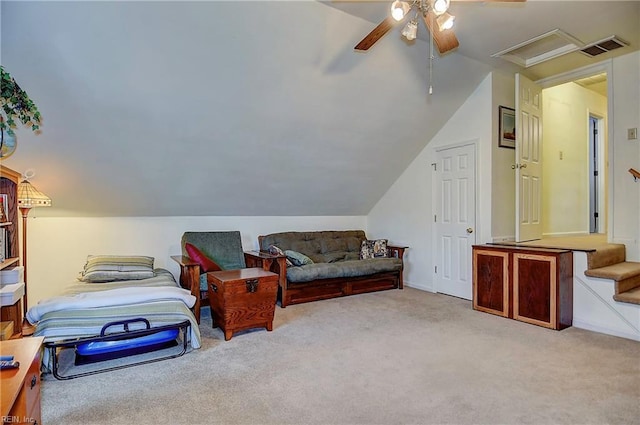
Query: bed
[{"x": 113, "y": 291}]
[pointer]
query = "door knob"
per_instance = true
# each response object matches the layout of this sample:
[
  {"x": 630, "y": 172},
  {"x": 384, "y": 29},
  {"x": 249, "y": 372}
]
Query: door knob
[{"x": 469, "y": 230}]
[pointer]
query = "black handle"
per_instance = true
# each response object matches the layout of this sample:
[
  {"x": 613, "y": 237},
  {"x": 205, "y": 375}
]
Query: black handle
[
  {"x": 34, "y": 381},
  {"x": 125, "y": 323},
  {"x": 214, "y": 288}
]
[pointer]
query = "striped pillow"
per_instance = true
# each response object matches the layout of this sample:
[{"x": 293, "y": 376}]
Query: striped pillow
[{"x": 108, "y": 268}]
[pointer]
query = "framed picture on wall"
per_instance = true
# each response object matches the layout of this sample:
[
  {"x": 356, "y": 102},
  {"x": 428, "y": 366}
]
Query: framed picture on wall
[{"x": 507, "y": 128}]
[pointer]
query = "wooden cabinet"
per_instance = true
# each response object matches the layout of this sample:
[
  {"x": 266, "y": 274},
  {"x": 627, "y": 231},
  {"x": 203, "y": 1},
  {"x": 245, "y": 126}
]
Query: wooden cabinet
[
  {"x": 9, "y": 180},
  {"x": 533, "y": 285},
  {"x": 21, "y": 387}
]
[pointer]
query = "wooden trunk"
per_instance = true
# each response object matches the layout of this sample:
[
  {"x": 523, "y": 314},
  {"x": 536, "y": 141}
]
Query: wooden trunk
[{"x": 242, "y": 299}]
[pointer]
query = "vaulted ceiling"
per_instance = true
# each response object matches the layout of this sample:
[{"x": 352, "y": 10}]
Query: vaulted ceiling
[
  {"x": 484, "y": 28},
  {"x": 225, "y": 108}
]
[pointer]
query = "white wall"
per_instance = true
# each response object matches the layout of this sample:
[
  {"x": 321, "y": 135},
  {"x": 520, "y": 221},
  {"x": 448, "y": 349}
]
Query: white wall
[
  {"x": 58, "y": 246},
  {"x": 625, "y": 154},
  {"x": 565, "y": 159},
  {"x": 404, "y": 214}
]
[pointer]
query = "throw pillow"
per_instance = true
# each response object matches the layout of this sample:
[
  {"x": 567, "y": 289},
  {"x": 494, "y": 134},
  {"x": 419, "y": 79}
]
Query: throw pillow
[
  {"x": 373, "y": 249},
  {"x": 274, "y": 250},
  {"x": 206, "y": 263},
  {"x": 297, "y": 258},
  {"x": 109, "y": 268}
]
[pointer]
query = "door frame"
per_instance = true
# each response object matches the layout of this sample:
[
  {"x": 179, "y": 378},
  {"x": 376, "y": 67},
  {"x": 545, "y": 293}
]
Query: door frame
[
  {"x": 586, "y": 71},
  {"x": 597, "y": 162},
  {"x": 435, "y": 203}
]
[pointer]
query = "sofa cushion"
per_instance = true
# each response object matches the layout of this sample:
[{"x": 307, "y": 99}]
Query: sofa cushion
[
  {"x": 297, "y": 258},
  {"x": 206, "y": 263},
  {"x": 204, "y": 284},
  {"x": 316, "y": 245},
  {"x": 352, "y": 256},
  {"x": 342, "y": 269},
  {"x": 223, "y": 247},
  {"x": 274, "y": 250},
  {"x": 334, "y": 257},
  {"x": 373, "y": 249}
]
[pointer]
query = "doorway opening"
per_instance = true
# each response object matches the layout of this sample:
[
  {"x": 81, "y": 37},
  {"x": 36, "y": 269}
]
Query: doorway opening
[{"x": 575, "y": 156}]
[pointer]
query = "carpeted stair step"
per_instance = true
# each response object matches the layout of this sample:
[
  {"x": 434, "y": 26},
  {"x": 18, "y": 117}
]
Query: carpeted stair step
[
  {"x": 627, "y": 280},
  {"x": 606, "y": 254},
  {"x": 632, "y": 296}
]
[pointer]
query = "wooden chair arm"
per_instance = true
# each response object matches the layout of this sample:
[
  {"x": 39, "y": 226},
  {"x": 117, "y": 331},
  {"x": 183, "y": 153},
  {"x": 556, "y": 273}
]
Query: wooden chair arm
[
  {"x": 183, "y": 260},
  {"x": 190, "y": 279},
  {"x": 396, "y": 251},
  {"x": 257, "y": 257},
  {"x": 272, "y": 263}
]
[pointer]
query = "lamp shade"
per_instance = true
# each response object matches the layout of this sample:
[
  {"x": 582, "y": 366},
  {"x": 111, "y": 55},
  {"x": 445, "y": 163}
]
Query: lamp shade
[
  {"x": 440, "y": 6},
  {"x": 29, "y": 196},
  {"x": 445, "y": 21},
  {"x": 399, "y": 9},
  {"x": 410, "y": 32}
]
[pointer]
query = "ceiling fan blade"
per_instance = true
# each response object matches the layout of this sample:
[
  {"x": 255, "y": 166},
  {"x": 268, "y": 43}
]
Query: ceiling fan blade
[
  {"x": 376, "y": 34},
  {"x": 445, "y": 40}
]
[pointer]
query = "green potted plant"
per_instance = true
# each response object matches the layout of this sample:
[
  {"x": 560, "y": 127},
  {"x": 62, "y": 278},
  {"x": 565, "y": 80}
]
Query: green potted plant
[{"x": 16, "y": 104}]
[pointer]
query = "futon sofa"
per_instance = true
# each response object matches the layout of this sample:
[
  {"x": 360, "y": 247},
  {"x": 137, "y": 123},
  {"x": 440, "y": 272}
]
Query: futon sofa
[{"x": 326, "y": 264}]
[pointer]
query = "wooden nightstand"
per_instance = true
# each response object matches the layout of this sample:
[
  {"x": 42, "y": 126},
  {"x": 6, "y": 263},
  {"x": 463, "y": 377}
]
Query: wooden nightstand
[
  {"x": 242, "y": 299},
  {"x": 21, "y": 387}
]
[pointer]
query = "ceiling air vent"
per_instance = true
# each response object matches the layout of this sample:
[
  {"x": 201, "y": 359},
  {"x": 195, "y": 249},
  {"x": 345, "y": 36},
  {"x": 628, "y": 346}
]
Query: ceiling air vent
[{"x": 603, "y": 46}]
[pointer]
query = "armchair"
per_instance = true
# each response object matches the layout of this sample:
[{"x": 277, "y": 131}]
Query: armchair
[{"x": 225, "y": 248}]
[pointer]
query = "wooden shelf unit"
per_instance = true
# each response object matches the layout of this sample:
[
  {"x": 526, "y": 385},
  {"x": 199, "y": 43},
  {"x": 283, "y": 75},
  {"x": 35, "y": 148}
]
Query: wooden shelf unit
[
  {"x": 9, "y": 180},
  {"x": 532, "y": 285}
]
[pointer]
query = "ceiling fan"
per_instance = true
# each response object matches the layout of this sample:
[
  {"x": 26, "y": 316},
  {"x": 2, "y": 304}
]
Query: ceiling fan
[{"x": 435, "y": 15}]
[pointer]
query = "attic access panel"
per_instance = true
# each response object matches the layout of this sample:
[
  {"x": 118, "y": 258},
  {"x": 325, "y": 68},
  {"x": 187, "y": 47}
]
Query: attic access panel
[{"x": 541, "y": 48}]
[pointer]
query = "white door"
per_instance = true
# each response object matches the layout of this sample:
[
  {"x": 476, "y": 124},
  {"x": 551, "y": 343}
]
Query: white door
[
  {"x": 528, "y": 160},
  {"x": 455, "y": 219}
]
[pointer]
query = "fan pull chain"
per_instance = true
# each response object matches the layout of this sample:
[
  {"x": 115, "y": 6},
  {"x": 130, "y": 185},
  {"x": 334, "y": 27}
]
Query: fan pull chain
[{"x": 431, "y": 58}]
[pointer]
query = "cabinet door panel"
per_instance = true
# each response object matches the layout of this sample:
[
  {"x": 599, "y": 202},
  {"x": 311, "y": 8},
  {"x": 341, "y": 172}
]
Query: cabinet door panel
[
  {"x": 534, "y": 289},
  {"x": 491, "y": 282}
]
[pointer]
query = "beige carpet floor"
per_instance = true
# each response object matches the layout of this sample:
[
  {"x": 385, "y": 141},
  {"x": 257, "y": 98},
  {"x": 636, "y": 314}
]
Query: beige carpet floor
[{"x": 393, "y": 357}]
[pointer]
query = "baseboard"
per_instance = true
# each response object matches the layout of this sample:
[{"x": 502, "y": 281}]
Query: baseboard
[
  {"x": 497, "y": 239},
  {"x": 605, "y": 330},
  {"x": 567, "y": 234},
  {"x": 422, "y": 287}
]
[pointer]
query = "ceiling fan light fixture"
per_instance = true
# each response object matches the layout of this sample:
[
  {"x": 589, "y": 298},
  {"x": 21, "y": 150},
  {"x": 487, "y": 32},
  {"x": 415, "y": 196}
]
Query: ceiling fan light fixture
[
  {"x": 410, "y": 31},
  {"x": 399, "y": 9},
  {"x": 440, "y": 6},
  {"x": 445, "y": 21}
]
